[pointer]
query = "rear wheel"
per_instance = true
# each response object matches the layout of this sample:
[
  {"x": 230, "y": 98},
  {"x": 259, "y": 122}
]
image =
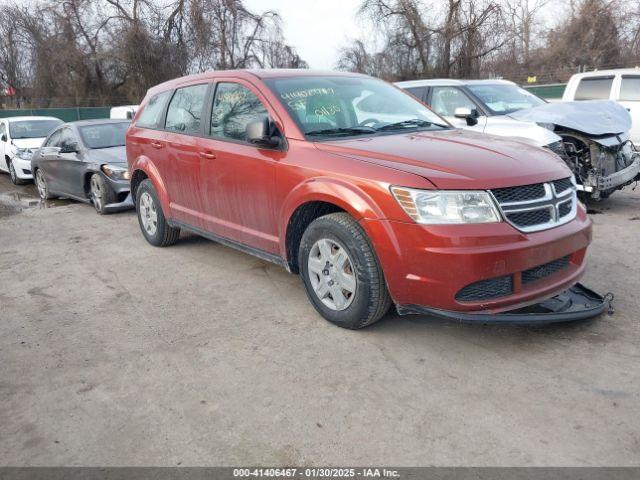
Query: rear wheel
[
  {"x": 341, "y": 272},
  {"x": 153, "y": 223},
  {"x": 14, "y": 176},
  {"x": 100, "y": 193},
  {"x": 41, "y": 183}
]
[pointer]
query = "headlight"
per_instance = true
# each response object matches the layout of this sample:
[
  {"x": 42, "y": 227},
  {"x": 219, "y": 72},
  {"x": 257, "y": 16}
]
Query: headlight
[
  {"x": 447, "y": 206},
  {"x": 115, "y": 172},
  {"x": 24, "y": 153},
  {"x": 548, "y": 126}
]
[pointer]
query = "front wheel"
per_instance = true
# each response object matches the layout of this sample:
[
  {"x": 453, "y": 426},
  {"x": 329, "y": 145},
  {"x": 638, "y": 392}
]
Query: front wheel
[
  {"x": 43, "y": 187},
  {"x": 153, "y": 223},
  {"x": 341, "y": 272},
  {"x": 14, "y": 176},
  {"x": 100, "y": 193}
]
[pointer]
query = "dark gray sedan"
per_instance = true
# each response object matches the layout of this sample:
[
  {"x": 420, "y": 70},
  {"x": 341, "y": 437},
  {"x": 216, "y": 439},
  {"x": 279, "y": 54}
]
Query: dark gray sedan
[{"x": 85, "y": 161}]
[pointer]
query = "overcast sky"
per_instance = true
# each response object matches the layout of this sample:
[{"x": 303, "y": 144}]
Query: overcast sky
[
  {"x": 316, "y": 28},
  {"x": 319, "y": 28}
]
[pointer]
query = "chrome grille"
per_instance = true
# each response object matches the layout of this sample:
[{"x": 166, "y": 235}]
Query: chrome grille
[
  {"x": 531, "y": 208},
  {"x": 562, "y": 185},
  {"x": 519, "y": 194}
]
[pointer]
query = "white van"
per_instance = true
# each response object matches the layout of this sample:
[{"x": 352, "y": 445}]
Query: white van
[
  {"x": 621, "y": 85},
  {"x": 126, "y": 112}
]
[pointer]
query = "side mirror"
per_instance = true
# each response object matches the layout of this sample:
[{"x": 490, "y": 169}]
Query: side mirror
[
  {"x": 262, "y": 133},
  {"x": 462, "y": 112},
  {"x": 470, "y": 115},
  {"x": 4, "y": 137},
  {"x": 69, "y": 148}
]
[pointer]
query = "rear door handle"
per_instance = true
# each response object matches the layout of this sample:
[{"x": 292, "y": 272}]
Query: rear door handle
[
  {"x": 157, "y": 145},
  {"x": 207, "y": 155}
]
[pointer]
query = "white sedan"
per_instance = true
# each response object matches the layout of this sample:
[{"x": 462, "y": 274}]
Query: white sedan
[{"x": 19, "y": 137}]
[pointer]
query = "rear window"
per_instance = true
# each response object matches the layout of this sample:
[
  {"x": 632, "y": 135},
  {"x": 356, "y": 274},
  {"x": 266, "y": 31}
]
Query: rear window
[
  {"x": 150, "y": 116},
  {"x": 594, "y": 88},
  {"x": 630, "y": 88},
  {"x": 105, "y": 135},
  {"x": 185, "y": 109},
  {"x": 418, "y": 92}
]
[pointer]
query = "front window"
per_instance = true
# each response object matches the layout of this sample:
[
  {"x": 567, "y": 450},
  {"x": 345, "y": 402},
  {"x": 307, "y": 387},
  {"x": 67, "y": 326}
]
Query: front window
[
  {"x": 504, "y": 99},
  {"x": 445, "y": 100},
  {"x": 32, "y": 128},
  {"x": 344, "y": 106},
  {"x": 104, "y": 135},
  {"x": 234, "y": 107}
]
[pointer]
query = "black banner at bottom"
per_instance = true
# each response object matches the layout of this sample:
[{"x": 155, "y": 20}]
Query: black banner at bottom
[{"x": 307, "y": 473}]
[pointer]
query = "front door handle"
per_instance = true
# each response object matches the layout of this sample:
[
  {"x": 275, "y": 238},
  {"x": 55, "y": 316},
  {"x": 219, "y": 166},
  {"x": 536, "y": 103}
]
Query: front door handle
[
  {"x": 157, "y": 145},
  {"x": 207, "y": 155}
]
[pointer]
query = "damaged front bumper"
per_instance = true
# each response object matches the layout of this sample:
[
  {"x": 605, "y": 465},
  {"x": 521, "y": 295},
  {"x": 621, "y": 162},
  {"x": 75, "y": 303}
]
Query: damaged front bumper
[
  {"x": 575, "y": 303},
  {"x": 126, "y": 204},
  {"x": 615, "y": 180}
]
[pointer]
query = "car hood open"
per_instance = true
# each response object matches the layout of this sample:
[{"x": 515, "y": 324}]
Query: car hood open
[
  {"x": 592, "y": 117},
  {"x": 456, "y": 159}
]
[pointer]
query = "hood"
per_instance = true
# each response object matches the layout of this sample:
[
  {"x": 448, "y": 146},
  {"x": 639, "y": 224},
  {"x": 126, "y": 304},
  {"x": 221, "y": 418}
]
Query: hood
[
  {"x": 113, "y": 155},
  {"x": 31, "y": 143},
  {"x": 456, "y": 159},
  {"x": 592, "y": 117},
  {"x": 527, "y": 132}
]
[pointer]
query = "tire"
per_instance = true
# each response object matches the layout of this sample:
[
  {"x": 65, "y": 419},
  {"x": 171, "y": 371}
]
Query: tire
[
  {"x": 158, "y": 232},
  {"x": 369, "y": 301},
  {"x": 41, "y": 183},
  {"x": 100, "y": 193},
  {"x": 12, "y": 173}
]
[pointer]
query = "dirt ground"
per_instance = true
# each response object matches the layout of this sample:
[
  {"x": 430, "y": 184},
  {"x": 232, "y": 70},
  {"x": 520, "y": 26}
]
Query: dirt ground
[{"x": 113, "y": 352}]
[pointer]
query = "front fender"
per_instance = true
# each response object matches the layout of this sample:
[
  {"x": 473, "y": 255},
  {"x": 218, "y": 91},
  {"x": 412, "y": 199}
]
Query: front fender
[
  {"x": 146, "y": 165},
  {"x": 346, "y": 196}
]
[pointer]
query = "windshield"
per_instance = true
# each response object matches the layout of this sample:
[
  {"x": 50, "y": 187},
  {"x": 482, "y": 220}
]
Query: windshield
[
  {"x": 104, "y": 135},
  {"x": 503, "y": 99},
  {"x": 344, "y": 106},
  {"x": 32, "y": 128}
]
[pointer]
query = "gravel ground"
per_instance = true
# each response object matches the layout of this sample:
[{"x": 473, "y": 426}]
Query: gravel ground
[{"x": 113, "y": 352}]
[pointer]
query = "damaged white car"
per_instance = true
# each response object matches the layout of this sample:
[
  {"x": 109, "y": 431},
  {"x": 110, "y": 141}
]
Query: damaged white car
[{"x": 592, "y": 137}]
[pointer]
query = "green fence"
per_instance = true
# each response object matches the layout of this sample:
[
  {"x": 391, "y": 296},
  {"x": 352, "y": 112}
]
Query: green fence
[
  {"x": 552, "y": 91},
  {"x": 64, "y": 114}
]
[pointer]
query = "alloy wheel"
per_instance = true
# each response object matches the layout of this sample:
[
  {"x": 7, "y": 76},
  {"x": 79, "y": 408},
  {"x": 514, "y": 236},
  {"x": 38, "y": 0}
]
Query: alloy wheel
[
  {"x": 332, "y": 274},
  {"x": 12, "y": 172},
  {"x": 96, "y": 193},
  {"x": 148, "y": 214},
  {"x": 41, "y": 183}
]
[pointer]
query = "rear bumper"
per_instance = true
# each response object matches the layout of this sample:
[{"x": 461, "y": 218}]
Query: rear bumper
[
  {"x": 430, "y": 265},
  {"x": 575, "y": 303}
]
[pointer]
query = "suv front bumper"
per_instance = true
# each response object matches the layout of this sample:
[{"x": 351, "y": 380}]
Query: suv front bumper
[
  {"x": 435, "y": 266},
  {"x": 575, "y": 303}
]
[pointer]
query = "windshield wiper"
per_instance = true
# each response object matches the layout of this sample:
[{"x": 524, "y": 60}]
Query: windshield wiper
[
  {"x": 343, "y": 131},
  {"x": 414, "y": 122}
]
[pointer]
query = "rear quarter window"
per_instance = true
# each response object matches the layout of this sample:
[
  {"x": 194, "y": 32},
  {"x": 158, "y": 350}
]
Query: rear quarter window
[
  {"x": 594, "y": 88},
  {"x": 152, "y": 111}
]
